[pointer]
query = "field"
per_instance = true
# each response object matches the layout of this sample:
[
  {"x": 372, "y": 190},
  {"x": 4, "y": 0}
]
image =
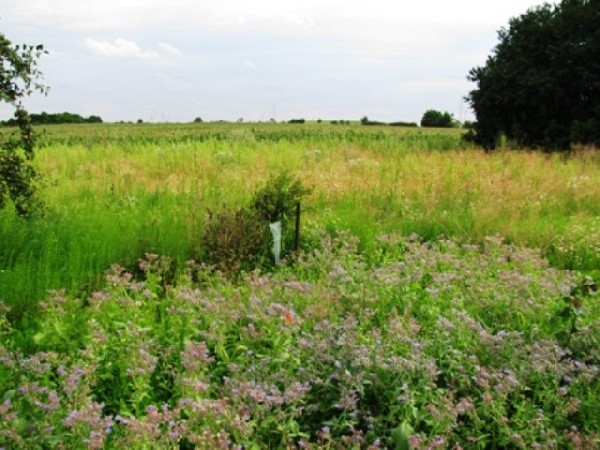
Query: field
[{"x": 442, "y": 297}]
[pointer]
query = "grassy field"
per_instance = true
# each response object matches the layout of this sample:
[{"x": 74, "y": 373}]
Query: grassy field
[
  {"x": 443, "y": 295},
  {"x": 114, "y": 192}
]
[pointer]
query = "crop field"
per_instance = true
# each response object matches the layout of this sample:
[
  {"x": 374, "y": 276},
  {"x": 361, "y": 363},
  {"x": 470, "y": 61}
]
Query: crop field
[{"x": 441, "y": 297}]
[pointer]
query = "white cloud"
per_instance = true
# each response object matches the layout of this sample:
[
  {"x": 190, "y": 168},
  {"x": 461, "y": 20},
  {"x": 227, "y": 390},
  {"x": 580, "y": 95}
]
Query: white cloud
[
  {"x": 286, "y": 15},
  {"x": 170, "y": 49},
  {"x": 228, "y": 57},
  {"x": 120, "y": 48}
]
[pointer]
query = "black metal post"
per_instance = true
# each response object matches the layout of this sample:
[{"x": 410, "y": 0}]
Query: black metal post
[{"x": 297, "y": 230}]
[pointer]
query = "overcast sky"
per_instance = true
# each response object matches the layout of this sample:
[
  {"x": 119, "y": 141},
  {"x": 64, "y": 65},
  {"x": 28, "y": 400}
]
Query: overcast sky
[{"x": 174, "y": 60}]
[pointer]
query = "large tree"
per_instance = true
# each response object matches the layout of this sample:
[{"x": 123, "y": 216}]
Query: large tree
[
  {"x": 540, "y": 87},
  {"x": 19, "y": 77}
]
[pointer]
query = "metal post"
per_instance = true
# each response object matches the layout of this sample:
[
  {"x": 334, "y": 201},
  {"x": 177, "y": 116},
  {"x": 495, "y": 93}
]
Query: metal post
[{"x": 297, "y": 230}]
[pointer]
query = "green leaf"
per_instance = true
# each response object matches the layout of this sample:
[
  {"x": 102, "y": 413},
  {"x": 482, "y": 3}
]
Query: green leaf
[
  {"x": 400, "y": 436},
  {"x": 9, "y": 395}
]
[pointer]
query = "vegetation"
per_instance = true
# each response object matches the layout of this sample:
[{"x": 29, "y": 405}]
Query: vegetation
[
  {"x": 403, "y": 124},
  {"x": 418, "y": 345},
  {"x": 113, "y": 192},
  {"x": 366, "y": 121},
  {"x": 442, "y": 296},
  {"x": 49, "y": 119},
  {"x": 434, "y": 118},
  {"x": 239, "y": 239},
  {"x": 541, "y": 85},
  {"x": 19, "y": 76}
]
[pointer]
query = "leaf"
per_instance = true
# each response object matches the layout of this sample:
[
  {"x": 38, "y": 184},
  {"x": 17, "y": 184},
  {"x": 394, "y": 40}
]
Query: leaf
[
  {"x": 400, "y": 436},
  {"x": 9, "y": 395},
  {"x": 38, "y": 338}
]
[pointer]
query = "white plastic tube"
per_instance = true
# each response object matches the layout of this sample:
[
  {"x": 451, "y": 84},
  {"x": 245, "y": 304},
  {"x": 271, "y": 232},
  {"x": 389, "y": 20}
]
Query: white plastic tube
[{"x": 275, "y": 228}]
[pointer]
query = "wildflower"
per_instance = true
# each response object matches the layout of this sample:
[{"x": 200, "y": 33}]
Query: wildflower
[
  {"x": 414, "y": 441},
  {"x": 438, "y": 441},
  {"x": 195, "y": 356},
  {"x": 288, "y": 317},
  {"x": 563, "y": 391}
]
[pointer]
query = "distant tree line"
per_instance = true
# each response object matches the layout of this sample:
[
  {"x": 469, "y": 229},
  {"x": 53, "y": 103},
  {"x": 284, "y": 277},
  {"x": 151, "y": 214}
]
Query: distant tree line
[
  {"x": 366, "y": 121},
  {"x": 45, "y": 118}
]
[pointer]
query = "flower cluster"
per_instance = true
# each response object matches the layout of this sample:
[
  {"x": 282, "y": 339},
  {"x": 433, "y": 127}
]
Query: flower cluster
[{"x": 422, "y": 345}]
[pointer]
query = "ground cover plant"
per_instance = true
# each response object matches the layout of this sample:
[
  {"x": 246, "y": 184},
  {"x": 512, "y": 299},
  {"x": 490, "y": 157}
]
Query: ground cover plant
[
  {"x": 430, "y": 345},
  {"x": 401, "y": 322}
]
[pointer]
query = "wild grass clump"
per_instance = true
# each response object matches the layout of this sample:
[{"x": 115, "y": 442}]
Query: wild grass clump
[
  {"x": 578, "y": 246},
  {"x": 423, "y": 345}
]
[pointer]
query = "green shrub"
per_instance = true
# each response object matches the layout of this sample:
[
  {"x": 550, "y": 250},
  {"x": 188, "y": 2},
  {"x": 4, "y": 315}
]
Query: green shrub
[
  {"x": 240, "y": 239},
  {"x": 235, "y": 240},
  {"x": 277, "y": 202}
]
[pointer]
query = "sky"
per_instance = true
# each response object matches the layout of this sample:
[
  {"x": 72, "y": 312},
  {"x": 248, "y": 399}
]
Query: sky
[{"x": 176, "y": 60}]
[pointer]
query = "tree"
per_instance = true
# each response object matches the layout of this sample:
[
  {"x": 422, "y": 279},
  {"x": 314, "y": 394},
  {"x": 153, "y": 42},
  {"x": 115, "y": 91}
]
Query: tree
[
  {"x": 19, "y": 77},
  {"x": 540, "y": 87},
  {"x": 433, "y": 118}
]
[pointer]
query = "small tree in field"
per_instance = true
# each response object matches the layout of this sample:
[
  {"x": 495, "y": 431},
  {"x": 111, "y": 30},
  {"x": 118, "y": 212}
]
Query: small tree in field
[
  {"x": 19, "y": 77},
  {"x": 433, "y": 118}
]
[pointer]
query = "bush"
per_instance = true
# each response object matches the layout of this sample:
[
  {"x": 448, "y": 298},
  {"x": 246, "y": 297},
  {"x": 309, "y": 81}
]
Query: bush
[
  {"x": 433, "y": 118},
  {"x": 235, "y": 240},
  {"x": 277, "y": 201},
  {"x": 365, "y": 121},
  {"x": 403, "y": 124}
]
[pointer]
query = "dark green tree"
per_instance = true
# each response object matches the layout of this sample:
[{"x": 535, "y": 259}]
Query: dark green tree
[
  {"x": 433, "y": 118},
  {"x": 19, "y": 77},
  {"x": 540, "y": 87}
]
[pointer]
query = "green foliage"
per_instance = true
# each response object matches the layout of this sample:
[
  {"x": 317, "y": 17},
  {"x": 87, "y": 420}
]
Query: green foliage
[
  {"x": 541, "y": 85},
  {"x": 239, "y": 239},
  {"x": 400, "y": 436},
  {"x": 366, "y": 121},
  {"x": 65, "y": 117},
  {"x": 235, "y": 240},
  {"x": 18, "y": 78},
  {"x": 433, "y": 118},
  {"x": 277, "y": 199},
  {"x": 403, "y": 124},
  {"x": 433, "y": 345}
]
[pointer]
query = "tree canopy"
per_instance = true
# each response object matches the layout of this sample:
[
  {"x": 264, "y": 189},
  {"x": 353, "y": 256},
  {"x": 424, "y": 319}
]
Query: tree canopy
[
  {"x": 433, "y": 118},
  {"x": 540, "y": 87},
  {"x": 19, "y": 77}
]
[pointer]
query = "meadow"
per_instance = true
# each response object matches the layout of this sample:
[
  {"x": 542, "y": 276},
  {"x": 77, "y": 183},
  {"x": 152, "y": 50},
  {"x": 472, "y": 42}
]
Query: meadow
[{"x": 442, "y": 296}]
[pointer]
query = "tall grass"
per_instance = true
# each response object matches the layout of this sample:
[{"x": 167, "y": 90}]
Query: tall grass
[{"x": 115, "y": 192}]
